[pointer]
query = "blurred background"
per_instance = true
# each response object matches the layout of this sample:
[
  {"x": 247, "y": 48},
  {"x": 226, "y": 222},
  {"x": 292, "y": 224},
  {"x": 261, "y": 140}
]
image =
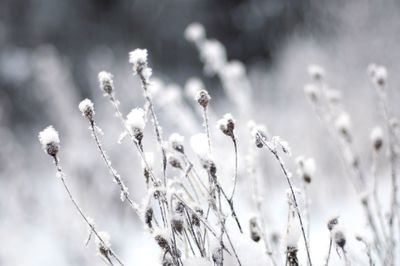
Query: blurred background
[{"x": 51, "y": 52}]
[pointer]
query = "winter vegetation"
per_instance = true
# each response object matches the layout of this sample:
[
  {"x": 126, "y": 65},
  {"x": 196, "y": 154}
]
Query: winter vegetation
[{"x": 192, "y": 175}]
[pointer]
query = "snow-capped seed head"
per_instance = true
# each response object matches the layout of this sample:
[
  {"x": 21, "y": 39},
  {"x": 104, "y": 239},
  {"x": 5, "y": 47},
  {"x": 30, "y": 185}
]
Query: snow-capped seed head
[
  {"x": 50, "y": 140},
  {"x": 148, "y": 217},
  {"x": 173, "y": 161},
  {"x": 254, "y": 230},
  {"x": 213, "y": 55},
  {"x": 177, "y": 223},
  {"x": 259, "y": 133},
  {"x": 343, "y": 123},
  {"x": 135, "y": 122},
  {"x": 162, "y": 239},
  {"x": 316, "y": 72},
  {"x": 377, "y": 138},
  {"x": 203, "y": 98},
  {"x": 332, "y": 222},
  {"x": 311, "y": 92},
  {"x": 371, "y": 70},
  {"x": 199, "y": 144},
  {"x": 226, "y": 124},
  {"x": 176, "y": 141},
  {"x": 195, "y": 32},
  {"x": 339, "y": 237},
  {"x": 306, "y": 168},
  {"x": 380, "y": 75},
  {"x": 103, "y": 244},
  {"x": 210, "y": 166},
  {"x": 195, "y": 216},
  {"x": 106, "y": 82},
  {"x": 87, "y": 108},
  {"x": 233, "y": 70},
  {"x": 217, "y": 256},
  {"x": 138, "y": 59}
]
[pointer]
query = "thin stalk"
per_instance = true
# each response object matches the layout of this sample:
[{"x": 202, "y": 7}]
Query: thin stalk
[
  {"x": 116, "y": 176},
  {"x": 275, "y": 153},
  {"x": 329, "y": 251},
  {"x": 76, "y": 205}
]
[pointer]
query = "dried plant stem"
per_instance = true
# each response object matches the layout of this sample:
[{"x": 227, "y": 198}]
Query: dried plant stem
[
  {"x": 279, "y": 159},
  {"x": 207, "y": 128},
  {"x": 235, "y": 176},
  {"x": 116, "y": 176},
  {"x": 329, "y": 251},
  {"x": 392, "y": 159},
  {"x": 156, "y": 125},
  {"x": 61, "y": 176}
]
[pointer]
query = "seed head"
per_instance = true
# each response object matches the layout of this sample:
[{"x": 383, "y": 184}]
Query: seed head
[
  {"x": 226, "y": 124},
  {"x": 50, "y": 140},
  {"x": 339, "y": 238},
  {"x": 332, "y": 223},
  {"x": 106, "y": 82},
  {"x": 195, "y": 32},
  {"x": 87, "y": 109},
  {"x": 306, "y": 168},
  {"x": 138, "y": 59},
  {"x": 173, "y": 161},
  {"x": 103, "y": 245},
  {"x": 343, "y": 124},
  {"x": 316, "y": 72},
  {"x": 377, "y": 138},
  {"x": 135, "y": 122},
  {"x": 176, "y": 141},
  {"x": 311, "y": 92},
  {"x": 203, "y": 98},
  {"x": 254, "y": 230}
]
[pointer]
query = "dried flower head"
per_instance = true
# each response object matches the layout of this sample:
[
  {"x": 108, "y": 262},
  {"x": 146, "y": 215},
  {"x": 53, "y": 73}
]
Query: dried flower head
[
  {"x": 195, "y": 32},
  {"x": 316, "y": 72},
  {"x": 226, "y": 124},
  {"x": 339, "y": 237},
  {"x": 306, "y": 168},
  {"x": 103, "y": 245},
  {"x": 254, "y": 230},
  {"x": 106, "y": 82},
  {"x": 174, "y": 161},
  {"x": 50, "y": 140},
  {"x": 176, "y": 141},
  {"x": 343, "y": 124},
  {"x": 377, "y": 138},
  {"x": 161, "y": 237},
  {"x": 312, "y": 92},
  {"x": 87, "y": 108},
  {"x": 136, "y": 122},
  {"x": 138, "y": 59},
  {"x": 203, "y": 98},
  {"x": 332, "y": 222},
  {"x": 378, "y": 74}
]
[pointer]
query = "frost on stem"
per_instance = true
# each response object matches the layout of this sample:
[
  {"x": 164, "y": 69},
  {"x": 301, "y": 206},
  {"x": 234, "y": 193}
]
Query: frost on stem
[
  {"x": 226, "y": 124},
  {"x": 50, "y": 140},
  {"x": 87, "y": 109},
  {"x": 176, "y": 142},
  {"x": 103, "y": 245},
  {"x": 136, "y": 122},
  {"x": 306, "y": 168},
  {"x": 203, "y": 98},
  {"x": 377, "y": 138},
  {"x": 316, "y": 72},
  {"x": 199, "y": 144},
  {"x": 195, "y": 32},
  {"x": 147, "y": 165},
  {"x": 106, "y": 82}
]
